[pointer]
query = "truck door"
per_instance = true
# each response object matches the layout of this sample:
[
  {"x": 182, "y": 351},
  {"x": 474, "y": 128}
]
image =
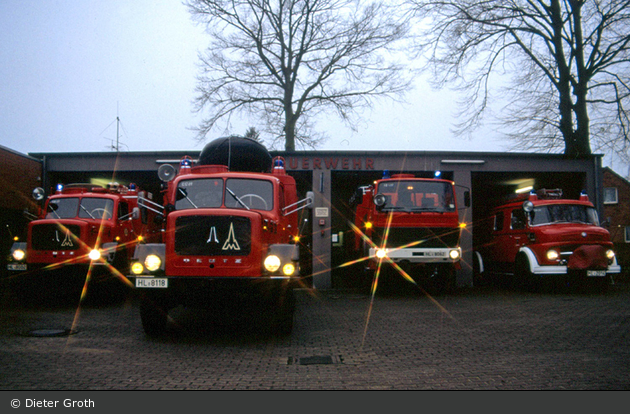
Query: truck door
[{"x": 518, "y": 234}]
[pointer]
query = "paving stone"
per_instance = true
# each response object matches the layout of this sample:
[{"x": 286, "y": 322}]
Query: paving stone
[{"x": 475, "y": 339}]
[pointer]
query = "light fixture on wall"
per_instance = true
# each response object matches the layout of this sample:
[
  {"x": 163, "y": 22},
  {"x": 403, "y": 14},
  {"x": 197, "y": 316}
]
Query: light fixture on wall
[{"x": 524, "y": 189}]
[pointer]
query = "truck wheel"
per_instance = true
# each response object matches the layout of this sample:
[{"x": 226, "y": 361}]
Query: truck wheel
[
  {"x": 154, "y": 317},
  {"x": 523, "y": 277},
  {"x": 478, "y": 275},
  {"x": 283, "y": 317},
  {"x": 444, "y": 282}
]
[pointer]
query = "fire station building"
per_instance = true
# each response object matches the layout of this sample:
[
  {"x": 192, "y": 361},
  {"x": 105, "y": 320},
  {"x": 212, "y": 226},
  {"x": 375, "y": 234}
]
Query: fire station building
[{"x": 333, "y": 176}]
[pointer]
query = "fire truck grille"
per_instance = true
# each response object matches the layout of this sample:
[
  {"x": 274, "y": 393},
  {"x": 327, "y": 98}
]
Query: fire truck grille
[
  {"x": 418, "y": 237},
  {"x": 56, "y": 237},
  {"x": 212, "y": 236}
]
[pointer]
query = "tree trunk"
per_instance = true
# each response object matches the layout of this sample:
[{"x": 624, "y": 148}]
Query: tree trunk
[
  {"x": 289, "y": 130},
  {"x": 576, "y": 137},
  {"x": 580, "y": 89}
]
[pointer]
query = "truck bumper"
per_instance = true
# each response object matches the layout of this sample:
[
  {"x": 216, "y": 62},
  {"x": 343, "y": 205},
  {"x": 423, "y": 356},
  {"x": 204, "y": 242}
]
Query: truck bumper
[
  {"x": 205, "y": 291},
  {"x": 419, "y": 255},
  {"x": 538, "y": 269}
]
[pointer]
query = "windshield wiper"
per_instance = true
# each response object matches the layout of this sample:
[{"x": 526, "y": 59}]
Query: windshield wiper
[
  {"x": 185, "y": 194},
  {"x": 86, "y": 210},
  {"x": 236, "y": 197},
  {"x": 53, "y": 210},
  {"x": 393, "y": 208}
]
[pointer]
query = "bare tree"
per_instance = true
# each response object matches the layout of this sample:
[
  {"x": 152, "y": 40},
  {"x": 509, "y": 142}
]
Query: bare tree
[
  {"x": 567, "y": 62},
  {"x": 288, "y": 61},
  {"x": 252, "y": 133}
]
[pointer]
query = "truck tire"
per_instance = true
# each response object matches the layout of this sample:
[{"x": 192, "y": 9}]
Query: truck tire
[
  {"x": 478, "y": 274},
  {"x": 283, "y": 315},
  {"x": 154, "y": 316},
  {"x": 523, "y": 278},
  {"x": 444, "y": 282}
]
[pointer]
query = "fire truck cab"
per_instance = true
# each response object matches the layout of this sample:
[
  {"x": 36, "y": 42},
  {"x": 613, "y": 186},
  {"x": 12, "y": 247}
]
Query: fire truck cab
[
  {"x": 545, "y": 236},
  {"x": 410, "y": 224},
  {"x": 230, "y": 236},
  {"x": 81, "y": 226}
]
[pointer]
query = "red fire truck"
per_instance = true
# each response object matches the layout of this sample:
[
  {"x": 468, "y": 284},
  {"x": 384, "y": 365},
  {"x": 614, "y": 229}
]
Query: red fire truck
[
  {"x": 545, "y": 236},
  {"x": 80, "y": 226},
  {"x": 411, "y": 224},
  {"x": 230, "y": 237}
]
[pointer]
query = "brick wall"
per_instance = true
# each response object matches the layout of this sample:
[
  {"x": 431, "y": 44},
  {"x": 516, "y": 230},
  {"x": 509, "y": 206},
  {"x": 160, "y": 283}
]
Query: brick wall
[
  {"x": 20, "y": 175},
  {"x": 619, "y": 215}
]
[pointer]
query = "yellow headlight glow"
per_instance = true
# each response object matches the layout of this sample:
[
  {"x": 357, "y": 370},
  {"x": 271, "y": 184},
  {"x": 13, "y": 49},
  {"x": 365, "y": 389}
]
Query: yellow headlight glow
[
  {"x": 381, "y": 253},
  {"x": 137, "y": 268},
  {"x": 272, "y": 263},
  {"x": 552, "y": 255},
  {"x": 94, "y": 254},
  {"x": 610, "y": 254},
  {"x": 152, "y": 262},
  {"x": 19, "y": 254},
  {"x": 454, "y": 254},
  {"x": 288, "y": 269}
]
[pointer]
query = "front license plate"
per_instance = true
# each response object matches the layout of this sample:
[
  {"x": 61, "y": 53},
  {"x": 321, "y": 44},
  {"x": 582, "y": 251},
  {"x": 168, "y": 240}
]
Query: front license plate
[
  {"x": 595, "y": 273},
  {"x": 151, "y": 282},
  {"x": 15, "y": 266}
]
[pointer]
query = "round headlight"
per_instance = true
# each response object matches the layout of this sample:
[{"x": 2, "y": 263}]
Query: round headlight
[
  {"x": 380, "y": 200},
  {"x": 454, "y": 254},
  {"x": 272, "y": 263},
  {"x": 152, "y": 262},
  {"x": 610, "y": 254},
  {"x": 288, "y": 269},
  {"x": 381, "y": 253},
  {"x": 552, "y": 255},
  {"x": 94, "y": 254},
  {"x": 18, "y": 254},
  {"x": 528, "y": 206},
  {"x": 38, "y": 194},
  {"x": 137, "y": 268}
]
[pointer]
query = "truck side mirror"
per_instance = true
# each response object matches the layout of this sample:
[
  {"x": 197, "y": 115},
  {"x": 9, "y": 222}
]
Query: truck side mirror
[
  {"x": 135, "y": 213},
  {"x": 311, "y": 199},
  {"x": 467, "y": 198}
]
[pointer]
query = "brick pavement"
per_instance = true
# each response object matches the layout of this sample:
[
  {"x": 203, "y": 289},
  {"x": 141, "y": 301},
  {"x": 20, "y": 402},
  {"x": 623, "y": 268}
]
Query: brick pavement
[{"x": 476, "y": 339}]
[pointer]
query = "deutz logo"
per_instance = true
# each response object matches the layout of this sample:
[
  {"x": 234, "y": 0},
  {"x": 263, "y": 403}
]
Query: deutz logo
[
  {"x": 212, "y": 237},
  {"x": 67, "y": 241},
  {"x": 231, "y": 243}
]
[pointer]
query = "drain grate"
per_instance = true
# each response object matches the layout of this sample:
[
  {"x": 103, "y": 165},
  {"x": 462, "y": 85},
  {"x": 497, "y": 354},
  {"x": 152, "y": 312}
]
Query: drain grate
[
  {"x": 48, "y": 333},
  {"x": 316, "y": 360}
]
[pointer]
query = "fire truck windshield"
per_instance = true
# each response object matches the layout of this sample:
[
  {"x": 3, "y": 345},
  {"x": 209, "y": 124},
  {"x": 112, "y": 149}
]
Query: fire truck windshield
[
  {"x": 86, "y": 207},
  {"x": 563, "y": 213},
  {"x": 199, "y": 193},
  {"x": 417, "y": 196},
  {"x": 241, "y": 193}
]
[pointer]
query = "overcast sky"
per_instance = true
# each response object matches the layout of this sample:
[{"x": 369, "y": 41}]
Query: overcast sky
[{"x": 71, "y": 67}]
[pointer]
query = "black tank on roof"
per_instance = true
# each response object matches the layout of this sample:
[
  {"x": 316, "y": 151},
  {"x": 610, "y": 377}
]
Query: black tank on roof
[{"x": 238, "y": 153}]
